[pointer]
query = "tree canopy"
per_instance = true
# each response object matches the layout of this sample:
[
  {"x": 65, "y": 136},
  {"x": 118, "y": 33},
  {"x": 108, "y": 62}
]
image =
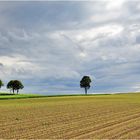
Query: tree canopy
[
  {"x": 15, "y": 85},
  {"x": 1, "y": 83}
]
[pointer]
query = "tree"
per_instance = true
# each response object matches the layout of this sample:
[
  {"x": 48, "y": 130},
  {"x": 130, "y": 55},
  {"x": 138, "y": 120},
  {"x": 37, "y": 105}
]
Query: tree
[
  {"x": 15, "y": 85},
  {"x": 1, "y": 83},
  {"x": 85, "y": 83}
]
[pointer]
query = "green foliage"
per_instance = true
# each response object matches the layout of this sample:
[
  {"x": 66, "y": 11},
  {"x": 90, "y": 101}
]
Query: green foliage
[
  {"x": 15, "y": 85},
  {"x": 1, "y": 83},
  {"x": 85, "y": 83}
]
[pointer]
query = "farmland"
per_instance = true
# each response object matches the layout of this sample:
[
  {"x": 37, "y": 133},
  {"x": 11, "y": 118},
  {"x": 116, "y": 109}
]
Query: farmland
[{"x": 71, "y": 117}]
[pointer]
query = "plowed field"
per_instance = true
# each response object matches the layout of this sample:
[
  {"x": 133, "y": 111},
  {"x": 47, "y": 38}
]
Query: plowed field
[{"x": 71, "y": 117}]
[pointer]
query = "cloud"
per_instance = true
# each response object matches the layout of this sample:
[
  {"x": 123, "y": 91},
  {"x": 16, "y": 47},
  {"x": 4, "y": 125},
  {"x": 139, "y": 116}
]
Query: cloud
[
  {"x": 51, "y": 45},
  {"x": 1, "y": 65}
]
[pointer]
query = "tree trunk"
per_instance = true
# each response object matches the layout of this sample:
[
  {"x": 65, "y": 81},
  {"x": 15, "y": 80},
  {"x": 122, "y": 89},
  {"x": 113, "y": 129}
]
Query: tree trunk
[
  {"x": 13, "y": 90},
  {"x": 86, "y": 90},
  {"x": 17, "y": 91}
]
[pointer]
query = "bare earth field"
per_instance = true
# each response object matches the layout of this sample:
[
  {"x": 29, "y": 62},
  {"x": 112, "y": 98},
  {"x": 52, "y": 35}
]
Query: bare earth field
[{"x": 71, "y": 117}]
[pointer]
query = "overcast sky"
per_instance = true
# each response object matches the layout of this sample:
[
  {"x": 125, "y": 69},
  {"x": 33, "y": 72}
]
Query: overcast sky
[{"x": 50, "y": 46}]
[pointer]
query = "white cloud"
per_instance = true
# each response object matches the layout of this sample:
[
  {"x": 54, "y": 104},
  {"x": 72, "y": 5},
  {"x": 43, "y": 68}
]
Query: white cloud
[{"x": 115, "y": 5}]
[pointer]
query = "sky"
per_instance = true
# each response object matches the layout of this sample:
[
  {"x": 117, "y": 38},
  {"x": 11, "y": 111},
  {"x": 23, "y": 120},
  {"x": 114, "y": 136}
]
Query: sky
[{"x": 51, "y": 45}]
